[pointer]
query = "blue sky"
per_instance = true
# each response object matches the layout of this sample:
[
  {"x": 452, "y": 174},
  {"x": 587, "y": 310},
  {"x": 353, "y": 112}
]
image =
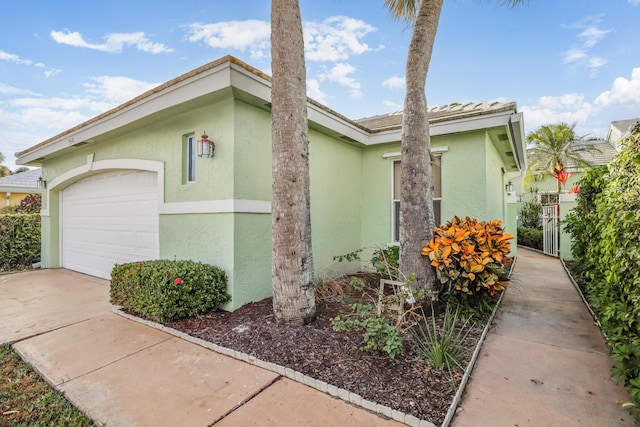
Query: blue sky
[{"x": 62, "y": 62}]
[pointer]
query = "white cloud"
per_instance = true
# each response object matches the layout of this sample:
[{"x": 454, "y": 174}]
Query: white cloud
[
  {"x": 340, "y": 74},
  {"x": 574, "y": 54},
  {"x": 335, "y": 39},
  {"x": 394, "y": 82},
  {"x": 314, "y": 92},
  {"x": 622, "y": 91},
  {"x": 240, "y": 35},
  {"x": 6, "y": 89},
  {"x": 392, "y": 105},
  {"x": 10, "y": 57},
  {"x": 115, "y": 90},
  {"x": 569, "y": 108},
  {"x": 634, "y": 2},
  {"x": 114, "y": 42},
  {"x": 623, "y": 96},
  {"x": 589, "y": 36},
  {"x": 52, "y": 72},
  {"x": 592, "y": 35}
]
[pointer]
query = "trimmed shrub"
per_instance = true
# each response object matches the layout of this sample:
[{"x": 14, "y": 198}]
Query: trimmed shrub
[
  {"x": 19, "y": 240},
  {"x": 530, "y": 237},
  {"x": 168, "y": 290}
]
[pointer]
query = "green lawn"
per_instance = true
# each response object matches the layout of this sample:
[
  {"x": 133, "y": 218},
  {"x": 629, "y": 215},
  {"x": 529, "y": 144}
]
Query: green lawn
[{"x": 27, "y": 400}]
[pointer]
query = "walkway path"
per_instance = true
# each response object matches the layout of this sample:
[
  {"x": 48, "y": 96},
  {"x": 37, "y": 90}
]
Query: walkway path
[{"x": 545, "y": 363}]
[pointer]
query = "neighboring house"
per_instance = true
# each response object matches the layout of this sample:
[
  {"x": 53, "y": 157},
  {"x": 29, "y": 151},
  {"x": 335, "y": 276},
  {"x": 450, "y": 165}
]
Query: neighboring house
[
  {"x": 620, "y": 129},
  {"x": 14, "y": 188},
  {"x": 547, "y": 185},
  {"x": 127, "y": 185}
]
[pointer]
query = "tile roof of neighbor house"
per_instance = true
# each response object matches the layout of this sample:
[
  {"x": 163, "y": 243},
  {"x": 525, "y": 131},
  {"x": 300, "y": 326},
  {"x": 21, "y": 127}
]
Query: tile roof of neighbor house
[
  {"x": 27, "y": 180},
  {"x": 438, "y": 114},
  {"x": 624, "y": 125},
  {"x": 603, "y": 154}
]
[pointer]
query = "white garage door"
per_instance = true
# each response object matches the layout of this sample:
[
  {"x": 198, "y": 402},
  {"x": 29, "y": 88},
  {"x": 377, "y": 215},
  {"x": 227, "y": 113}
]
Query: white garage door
[{"x": 110, "y": 218}]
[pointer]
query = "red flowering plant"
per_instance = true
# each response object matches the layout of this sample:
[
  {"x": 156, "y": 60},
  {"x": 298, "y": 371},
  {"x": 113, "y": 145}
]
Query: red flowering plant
[
  {"x": 177, "y": 281},
  {"x": 562, "y": 176},
  {"x": 470, "y": 256}
]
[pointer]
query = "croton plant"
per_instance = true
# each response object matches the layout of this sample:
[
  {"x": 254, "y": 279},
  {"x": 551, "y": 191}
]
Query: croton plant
[{"x": 470, "y": 256}]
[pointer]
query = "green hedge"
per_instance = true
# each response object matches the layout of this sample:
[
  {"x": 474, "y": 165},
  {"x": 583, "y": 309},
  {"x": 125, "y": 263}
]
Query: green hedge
[
  {"x": 530, "y": 237},
  {"x": 605, "y": 233},
  {"x": 19, "y": 240},
  {"x": 168, "y": 290}
]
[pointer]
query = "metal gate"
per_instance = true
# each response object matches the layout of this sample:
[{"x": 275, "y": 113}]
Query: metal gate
[{"x": 550, "y": 229}]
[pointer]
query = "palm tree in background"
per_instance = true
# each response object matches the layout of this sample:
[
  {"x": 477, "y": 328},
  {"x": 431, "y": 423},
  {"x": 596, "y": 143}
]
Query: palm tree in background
[
  {"x": 292, "y": 262},
  {"x": 417, "y": 219},
  {"x": 554, "y": 148},
  {"x": 4, "y": 170}
]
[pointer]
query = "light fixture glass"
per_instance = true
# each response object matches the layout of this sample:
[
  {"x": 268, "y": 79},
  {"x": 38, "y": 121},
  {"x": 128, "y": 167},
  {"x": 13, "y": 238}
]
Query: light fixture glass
[
  {"x": 206, "y": 147},
  {"x": 41, "y": 183}
]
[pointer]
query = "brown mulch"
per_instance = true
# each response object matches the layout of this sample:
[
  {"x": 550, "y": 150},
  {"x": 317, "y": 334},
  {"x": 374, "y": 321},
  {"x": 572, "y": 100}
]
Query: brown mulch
[{"x": 404, "y": 383}]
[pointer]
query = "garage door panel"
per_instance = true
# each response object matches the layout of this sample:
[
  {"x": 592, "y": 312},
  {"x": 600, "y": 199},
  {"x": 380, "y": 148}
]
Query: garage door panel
[{"x": 110, "y": 218}]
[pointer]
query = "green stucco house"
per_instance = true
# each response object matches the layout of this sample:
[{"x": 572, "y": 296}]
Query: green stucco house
[{"x": 128, "y": 184}]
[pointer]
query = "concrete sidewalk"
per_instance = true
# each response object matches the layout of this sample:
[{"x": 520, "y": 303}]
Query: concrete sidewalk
[
  {"x": 545, "y": 363},
  {"x": 123, "y": 373}
]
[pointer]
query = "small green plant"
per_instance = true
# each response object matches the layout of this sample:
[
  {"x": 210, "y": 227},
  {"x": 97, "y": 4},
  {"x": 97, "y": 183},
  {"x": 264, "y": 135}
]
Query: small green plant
[
  {"x": 530, "y": 211},
  {"x": 442, "y": 347},
  {"x": 378, "y": 331},
  {"x": 167, "y": 290},
  {"x": 386, "y": 261}
]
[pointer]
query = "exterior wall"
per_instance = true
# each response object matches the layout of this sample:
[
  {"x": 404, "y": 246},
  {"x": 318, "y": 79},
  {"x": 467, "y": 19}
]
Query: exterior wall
[
  {"x": 336, "y": 198},
  {"x": 14, "y": 198},
  {"x": 494, "y": 184},
  {"x": 376, "y": 211},
  {"x": 464, "y": 176}
]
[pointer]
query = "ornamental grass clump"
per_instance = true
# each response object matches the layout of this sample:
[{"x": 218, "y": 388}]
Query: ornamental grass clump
[{"x": 469, "y": 257}]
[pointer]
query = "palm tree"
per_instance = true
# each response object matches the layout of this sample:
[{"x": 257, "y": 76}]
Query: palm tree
[
  {"x": 4, "y": 170},
  {"x": 416, "y": 194},
  {"x": 554, "y": 147},
  {"x": 292, "y": 262}
]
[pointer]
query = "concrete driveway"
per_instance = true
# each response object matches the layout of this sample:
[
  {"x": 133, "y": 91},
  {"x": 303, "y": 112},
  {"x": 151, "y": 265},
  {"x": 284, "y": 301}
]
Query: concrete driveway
[{"x": 123, "y": 373}]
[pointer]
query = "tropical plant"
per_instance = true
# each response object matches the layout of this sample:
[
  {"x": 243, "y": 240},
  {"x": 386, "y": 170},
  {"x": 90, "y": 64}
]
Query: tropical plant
[
  {"x": 470, "y": 256},
  {"x": 554, "y": 148},
  {"x": 292, "y": 261}
]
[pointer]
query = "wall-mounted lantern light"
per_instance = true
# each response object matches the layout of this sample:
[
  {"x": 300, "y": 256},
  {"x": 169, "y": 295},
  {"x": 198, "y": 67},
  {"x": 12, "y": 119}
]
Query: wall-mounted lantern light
[
  {"x": 509, "y": 187},
  {"x": 41, "y": 183},
  {"x": 206, "y": 147}
]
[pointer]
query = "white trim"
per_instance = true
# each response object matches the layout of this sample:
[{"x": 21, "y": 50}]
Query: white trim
[
  {"x": 397, "y": 154},
  {"x": 217, "y": 206}
]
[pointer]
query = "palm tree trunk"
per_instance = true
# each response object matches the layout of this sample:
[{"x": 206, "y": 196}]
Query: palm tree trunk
[
  {"x": 292, "y": 262},
  {"x": 416, "y": 199}
]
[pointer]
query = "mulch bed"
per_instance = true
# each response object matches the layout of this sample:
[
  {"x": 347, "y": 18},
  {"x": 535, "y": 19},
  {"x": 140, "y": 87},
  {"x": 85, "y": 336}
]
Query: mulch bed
[{"x": 404, "y": 383}]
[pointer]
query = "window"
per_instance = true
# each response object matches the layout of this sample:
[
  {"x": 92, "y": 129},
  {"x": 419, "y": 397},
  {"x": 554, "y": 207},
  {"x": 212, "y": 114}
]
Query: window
[
  {"x": 189, "y": 159},
  {"x": 436, "y": 170},
  {"x": 548, "y": 198}
]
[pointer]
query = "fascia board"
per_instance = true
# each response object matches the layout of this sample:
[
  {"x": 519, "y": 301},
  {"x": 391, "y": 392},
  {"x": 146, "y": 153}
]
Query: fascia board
[
  {"x": 13, "y": 189},
  {"x": 447, "y": 127},
  {"x": 516, "y": 125},
  {"x": 184, "y": 91}
]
